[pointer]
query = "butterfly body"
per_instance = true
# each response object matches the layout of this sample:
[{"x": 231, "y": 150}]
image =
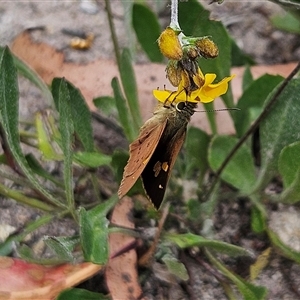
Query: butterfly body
[{"x": 153, "y": 153}]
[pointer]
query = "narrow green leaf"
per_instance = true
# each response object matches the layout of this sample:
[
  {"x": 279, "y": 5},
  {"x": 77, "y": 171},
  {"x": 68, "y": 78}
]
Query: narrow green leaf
[
  {"x": 80, "y": 294},
  {"x": 289, "y": 163},
  {"x": 80, "y": 113},
  {"x": 63, "y": 247},
  {"x": 44, "y": 144},
  {"x": 106, "y": 104},
  {"x": 247, "y": 78},
  {"x": 248, "y": 290},
  {"x": 94, "y": 231},
  {"x": 39, "y": 170},
  {"x": 147, "y": 30},
  {"x": 189, "y": 240},
  {"x": 285, "y": 250},
  {"x": 30, "y": 74},
  {"x": 240, "y": 171},
  {"x": 66, "y": 128},
  {"x": 289, "y": 168},
  {"x": 258, "y": 220},
  {"x": 26, "y": 253},
  {"x": 92, "y": 159},
  {"x": 130, "y": 89},
  {"x": 81, "y": 117},
  {"x": 9, "y": 96},
  {"x": 176, "y": 267},
  {"x": 252, "y": 101},
  {"x": 124, "y": 115},
  {"x": 278, "y": 130}
]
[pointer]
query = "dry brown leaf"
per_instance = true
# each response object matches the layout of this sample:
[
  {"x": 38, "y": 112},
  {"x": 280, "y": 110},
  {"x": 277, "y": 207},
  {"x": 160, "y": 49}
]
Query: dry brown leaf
[
  {"x": 121, "y": 273},
  {"x": 22, "y": 280},
  {"x": 94, "y": 79}
]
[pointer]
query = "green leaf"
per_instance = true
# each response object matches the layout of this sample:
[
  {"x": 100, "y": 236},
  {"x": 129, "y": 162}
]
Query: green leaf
[
  {"x": 80, "y": 294},
  {"x": 247, "y": 78},
  {"x": 39, "y": 170},
  {"x": 287, "y": 22},
  {"x": 94, "y": 231},
  {"x": 9, "y": 96},
  {"x": 147, "y": 30},
  {"x": 92, "y": 159},
  {"x": 289, "y": 168},
  {"x": 30, "y": 74},
  {"x": 66, "y": 128},
  {"x": 279, "y": 129},
  {"x": 130, "y": 89},
  {"x": 239, "y": 58},
  {"x": 258, "y": 220},
  {"x": 196, "y": 147},
  {"x": 175, "y": 267},
  {"x": 189, "y": 240},
  {"x": 43, "y": 139},
  {"x": 62, "y": 247},
  {"x": 240, "y": 171},
  {"x": 248, "y": 290},
  {"x": 289, "y": 163},
  {"x": 26, "y": 253},
  {"x": 106, "y": 104},
  {"x": 284, "y": 249},
  {"x": 252, "y": 101},
  {"x": 124, "y": 115},
  {"x": 79, "y": 113}
]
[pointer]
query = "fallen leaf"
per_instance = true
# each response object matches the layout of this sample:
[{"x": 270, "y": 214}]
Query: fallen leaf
[
  {"x": 22, "y": 280},
  {"x": 121, "y": 273}
]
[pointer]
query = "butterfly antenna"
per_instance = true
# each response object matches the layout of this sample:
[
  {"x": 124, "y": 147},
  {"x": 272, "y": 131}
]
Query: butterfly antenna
[{"x": 220, "y": 109}]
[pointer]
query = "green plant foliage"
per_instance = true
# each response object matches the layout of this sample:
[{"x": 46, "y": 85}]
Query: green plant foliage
[
  {"x": 79, "y": 113},
  {"x": 175, "y": 267},
  {"x": 289, "y": 168},
  {"x": 80, "y": 294},
  {"x": 130, "y": 89},
  {"x": 106, "y": 104},
  {"x": 63, "y": 247},
  {"x": 94, "y": 231},
  {"x": 276, "y": 131},
  {"x": 252, "y": 101},
  {"x": 287, "y": 22},
  {"x": 188, "y": 240},
  {"x": 247, "y": 78},
  {"x": 9, "y": 99},
  {"x": 240, "y": 171},
  {"x": 147, "y": 30},
  {"x": 196, "y": 148},
  {"x": 123, "y": 111},
  {"x": 248, "y": 290}
]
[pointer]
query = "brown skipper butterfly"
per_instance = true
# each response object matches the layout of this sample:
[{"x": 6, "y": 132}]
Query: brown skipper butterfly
[{"x": 153, "y": 153}]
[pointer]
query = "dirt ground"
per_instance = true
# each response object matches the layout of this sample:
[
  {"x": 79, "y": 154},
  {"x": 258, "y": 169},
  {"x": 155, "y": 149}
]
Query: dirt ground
[{"x": 249, "y": 24}]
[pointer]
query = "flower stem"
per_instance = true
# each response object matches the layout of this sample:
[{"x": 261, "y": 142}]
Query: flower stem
[{"x": 174, "y": 15}]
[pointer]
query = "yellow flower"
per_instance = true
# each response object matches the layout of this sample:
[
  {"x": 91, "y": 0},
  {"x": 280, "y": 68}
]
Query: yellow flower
[{"x": 205, "y": 94}]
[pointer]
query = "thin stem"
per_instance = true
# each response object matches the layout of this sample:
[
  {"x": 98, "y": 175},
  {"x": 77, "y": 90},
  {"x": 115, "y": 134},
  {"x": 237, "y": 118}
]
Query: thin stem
[
  {"x": 255, "y": 124},
  {"x": 113, "y": 32},
  {"x": 174, "y": 15}
]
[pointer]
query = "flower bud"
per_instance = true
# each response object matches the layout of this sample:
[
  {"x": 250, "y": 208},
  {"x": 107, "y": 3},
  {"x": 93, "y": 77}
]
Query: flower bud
[
  {"x": 207, "y": 48},
  {"x": 169, "y": 44}
]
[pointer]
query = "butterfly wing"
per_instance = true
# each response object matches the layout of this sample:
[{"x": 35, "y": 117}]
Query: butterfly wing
[
  {"x": 156, "y": 174},
  {"x": 141, "y": 151}
]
